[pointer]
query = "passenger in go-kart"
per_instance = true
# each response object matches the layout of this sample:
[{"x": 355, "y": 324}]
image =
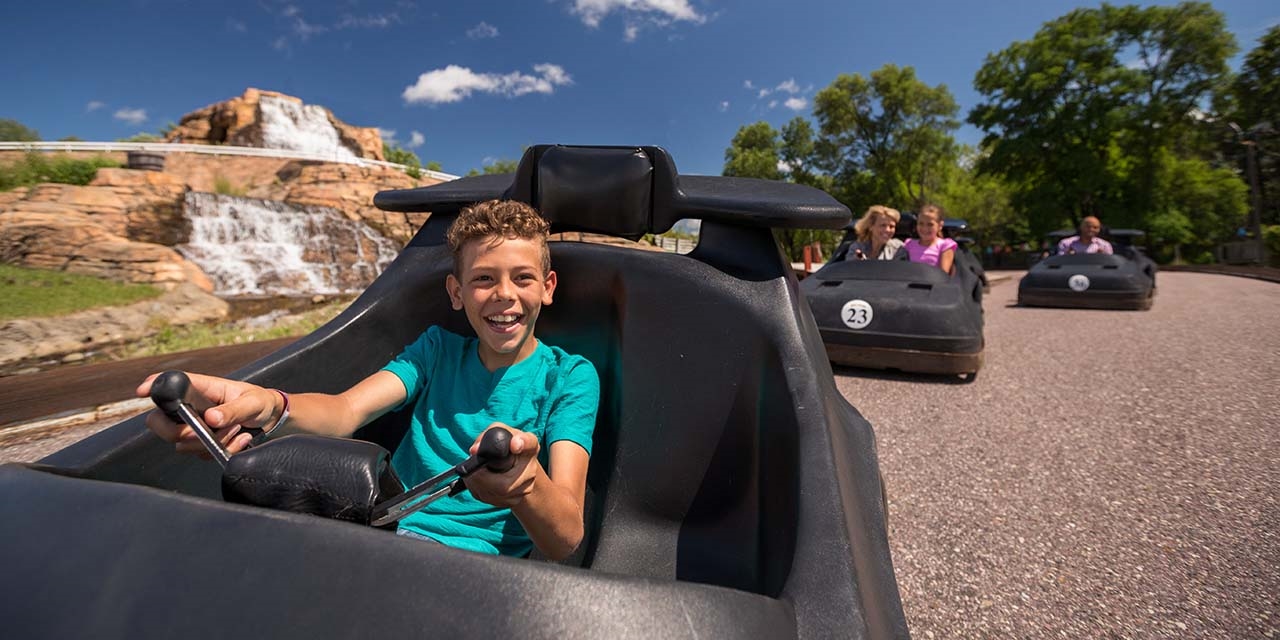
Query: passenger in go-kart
[
  {"x": 1088, "y": 240},
  {"x": 458, "y": 387},
  {"x": 875, "y": 235},
  {"x": 931, "y": 248}
]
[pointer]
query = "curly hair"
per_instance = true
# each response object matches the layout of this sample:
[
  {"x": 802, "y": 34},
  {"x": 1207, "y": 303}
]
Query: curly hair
[
  {"x": 862, "y": 228},
  {"x": 498, "y": 219}
]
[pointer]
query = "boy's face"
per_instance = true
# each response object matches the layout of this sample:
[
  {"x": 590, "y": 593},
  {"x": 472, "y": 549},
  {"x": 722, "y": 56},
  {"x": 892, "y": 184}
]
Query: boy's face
[{"x": 501, "y": 288}]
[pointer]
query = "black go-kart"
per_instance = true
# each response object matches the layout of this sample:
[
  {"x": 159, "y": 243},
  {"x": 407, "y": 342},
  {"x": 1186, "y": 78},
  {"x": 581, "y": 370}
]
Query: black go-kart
[
  {"x": 1125, "y": 279},
  {"x": 897, "y": 314},
  {"x": 732, "y": 491}
]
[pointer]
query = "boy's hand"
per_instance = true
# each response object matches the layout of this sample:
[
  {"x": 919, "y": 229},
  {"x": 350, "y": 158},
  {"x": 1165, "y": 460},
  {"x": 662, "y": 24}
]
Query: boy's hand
[
  {"x": 236, "y": 404},
  {"x": 507, "y": 489}
]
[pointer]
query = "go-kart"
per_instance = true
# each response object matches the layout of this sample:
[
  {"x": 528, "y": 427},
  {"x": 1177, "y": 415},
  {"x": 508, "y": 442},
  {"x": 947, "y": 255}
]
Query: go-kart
[
  {"x": 897, "y": 314},
  {"x": 1125, "y": 279},
  {"x": 732, "y": 491}
]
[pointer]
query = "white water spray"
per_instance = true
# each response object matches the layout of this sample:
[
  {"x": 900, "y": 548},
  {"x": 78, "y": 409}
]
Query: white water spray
[
  {"x": 265, "y": 247},
  {"x": 297, "y": 127}
]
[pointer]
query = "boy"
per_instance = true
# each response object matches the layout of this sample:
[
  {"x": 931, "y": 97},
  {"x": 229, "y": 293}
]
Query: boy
[{"x": 459, "y": 387}]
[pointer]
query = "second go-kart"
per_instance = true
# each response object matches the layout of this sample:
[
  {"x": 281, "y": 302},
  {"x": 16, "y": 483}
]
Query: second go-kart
[{"x": 1123, "y": 280}]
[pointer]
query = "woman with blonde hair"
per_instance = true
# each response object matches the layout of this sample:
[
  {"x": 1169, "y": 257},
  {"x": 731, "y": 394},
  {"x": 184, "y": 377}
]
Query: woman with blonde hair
[{"x": 875, "y": 235}]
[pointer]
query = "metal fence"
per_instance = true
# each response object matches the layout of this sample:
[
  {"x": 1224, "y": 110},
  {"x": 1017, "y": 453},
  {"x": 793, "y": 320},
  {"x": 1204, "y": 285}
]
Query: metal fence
[
  {"x": 678, "y": 245},
  {"x": 226, "y": 150}
]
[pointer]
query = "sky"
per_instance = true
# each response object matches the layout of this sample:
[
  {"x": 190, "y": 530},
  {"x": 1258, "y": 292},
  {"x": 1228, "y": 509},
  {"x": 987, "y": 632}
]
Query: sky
[{"x": 468, "y": 83}]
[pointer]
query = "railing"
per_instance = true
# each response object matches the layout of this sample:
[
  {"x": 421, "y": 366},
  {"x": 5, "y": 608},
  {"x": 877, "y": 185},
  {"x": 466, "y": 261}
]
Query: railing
[{"x": 227, "y": 150}]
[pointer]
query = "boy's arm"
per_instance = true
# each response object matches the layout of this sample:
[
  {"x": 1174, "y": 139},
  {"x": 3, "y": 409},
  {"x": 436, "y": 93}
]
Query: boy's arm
[
  {"x": 240, "y": 404},
  {"x": 552, "y": 512},
  {"x": 548, "y": 506}
]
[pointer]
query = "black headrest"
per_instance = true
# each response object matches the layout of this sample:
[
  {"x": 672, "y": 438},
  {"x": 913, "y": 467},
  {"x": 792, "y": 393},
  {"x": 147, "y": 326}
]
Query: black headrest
[{"x": 626, "y": 192}]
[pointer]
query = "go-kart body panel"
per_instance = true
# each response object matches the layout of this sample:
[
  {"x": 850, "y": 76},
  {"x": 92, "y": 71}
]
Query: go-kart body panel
[
  {"x": 732, "y": 490},
  {"x": 921, "y": 319},
  {"x": 1090, "y": 281}
]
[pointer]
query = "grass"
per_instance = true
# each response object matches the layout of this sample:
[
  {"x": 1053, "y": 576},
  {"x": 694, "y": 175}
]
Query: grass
[
  {"x": 172, "y": 339},
  {"x": 35, "y": 293}
]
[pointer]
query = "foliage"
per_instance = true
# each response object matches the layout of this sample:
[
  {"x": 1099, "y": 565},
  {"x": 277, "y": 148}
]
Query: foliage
[
  {"x": 753, "y": 153},
  {"x": 434, "y": 165},
  {"x": 1271, "y": 238},
  {"x": 1078, "y": 117},
  {"x": 758, "y": 151},
  {"x": 14, "y": 131},
  {"x": 402, "y": 156},
  {"x": 35, "y": 168},
  {"x": 1255, "y": 107},
  {"x": 172, "y": 339},
  {"x": 224, "y": 186},
  {"x": 886, "y": 138},
  {"x": 496, "y": 167},
  {"x": 142, "y": 136},
  {"x": 984, "y": 201},
  {"x": 29, "y": 293}
]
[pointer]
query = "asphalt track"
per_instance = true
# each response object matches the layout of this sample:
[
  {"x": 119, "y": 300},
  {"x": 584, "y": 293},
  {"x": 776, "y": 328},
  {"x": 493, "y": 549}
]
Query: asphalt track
[{"x": 1107, "y": 475}]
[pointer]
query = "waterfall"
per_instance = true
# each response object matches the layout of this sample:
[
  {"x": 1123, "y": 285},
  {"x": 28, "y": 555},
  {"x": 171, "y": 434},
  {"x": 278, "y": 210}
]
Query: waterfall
[
  {"x": 265, "y": 247},
  {"x": 290, "y": 125}
]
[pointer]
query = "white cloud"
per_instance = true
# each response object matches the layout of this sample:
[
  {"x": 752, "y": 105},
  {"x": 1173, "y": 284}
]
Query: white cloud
[
  {"x": 638, "y": 14},
  {"x": 388, "y": 135},
  {"x": 94, "y": 105},
  {"x": 454, "y": 83},
  {"x": 237, "y": 26},
  {"x": 416, "y": 139},
  {"x": 789, "y": 86},
  {"x": 746, "y": 84},
  {"x": 762, "y": 93},
  {"x": 132, "y": 116},
  {"x": 371, "y": 21},
  {"x": 773, "y": 103},
  {"x": 724, "y": 106},
  {"x": 280, "y": 44},
  {"x": 796, "y": 103},
  {"x": 482, "y": 31},
  {"x": 784, "y": 166}
]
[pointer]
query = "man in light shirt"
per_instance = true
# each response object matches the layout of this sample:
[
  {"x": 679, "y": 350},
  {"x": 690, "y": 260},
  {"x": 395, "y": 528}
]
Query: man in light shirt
[{"x": 1088, "y": 240}]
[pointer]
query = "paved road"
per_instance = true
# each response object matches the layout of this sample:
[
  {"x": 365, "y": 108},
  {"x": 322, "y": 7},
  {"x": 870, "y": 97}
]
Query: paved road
[{"x": 1108, "y": 474}]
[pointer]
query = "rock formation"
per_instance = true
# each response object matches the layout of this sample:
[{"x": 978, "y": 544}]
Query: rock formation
[{"x": 238, "y": 122}]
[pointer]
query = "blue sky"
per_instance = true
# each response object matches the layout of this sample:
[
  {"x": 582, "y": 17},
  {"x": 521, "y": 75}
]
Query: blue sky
[{"x": 465, "y": 83}]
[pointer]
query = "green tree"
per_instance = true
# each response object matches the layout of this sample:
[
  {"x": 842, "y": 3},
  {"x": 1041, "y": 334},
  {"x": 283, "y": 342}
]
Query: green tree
[
  {"x": 402, "y": 156},
  {"x": 886, "y": 138},
  {"x": 1079, "y": 116},
  {"x": 434, "y": 165},
  {"x": 1255, "y": 107},
  {"x": 753, "y": 153},
  {"x": 14, "y": 131},
  {"x": 983, "y": 200}
]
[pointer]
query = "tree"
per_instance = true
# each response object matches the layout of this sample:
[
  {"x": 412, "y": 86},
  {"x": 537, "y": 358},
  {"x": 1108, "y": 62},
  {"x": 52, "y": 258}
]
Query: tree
[
  {"x": 14, "y": 131},
  {"x": 753, "y": 153},
  {"x": 984, "y": 201},
  {"x": 399, "y": 155},
  {"x": 887, "y": 138},
  {"x": 496, "y": 167},
  {"x": 1078, "y": 116},
  {"x": 759, "y": 151},
  {"x": 1256, "y": 107}
]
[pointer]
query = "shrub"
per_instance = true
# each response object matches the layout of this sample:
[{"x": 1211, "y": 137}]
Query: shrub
[
  {"x": 223, "y": 186},
  {"x": 1271, "y": 238},
  {"x": 35, "y": 168}
]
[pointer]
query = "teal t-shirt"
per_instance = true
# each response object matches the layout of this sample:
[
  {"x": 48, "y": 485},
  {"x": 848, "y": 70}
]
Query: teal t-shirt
[{"x": 551, "y": 394}]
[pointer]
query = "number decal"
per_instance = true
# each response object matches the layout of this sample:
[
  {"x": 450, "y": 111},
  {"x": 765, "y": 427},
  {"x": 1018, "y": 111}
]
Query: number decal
[
  {"x": 1078, "y": 282},
  {"x": 856, "y": 314}
]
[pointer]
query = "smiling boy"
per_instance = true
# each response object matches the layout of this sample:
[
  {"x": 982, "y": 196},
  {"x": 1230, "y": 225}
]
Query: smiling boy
[{"x": 457, "y": 388}]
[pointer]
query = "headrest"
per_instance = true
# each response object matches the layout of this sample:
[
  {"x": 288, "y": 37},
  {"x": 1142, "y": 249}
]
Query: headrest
[{"x": 627, "y": 192}]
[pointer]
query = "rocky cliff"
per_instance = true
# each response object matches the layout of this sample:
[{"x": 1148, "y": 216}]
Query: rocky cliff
[{"x": 240, "y": 122}]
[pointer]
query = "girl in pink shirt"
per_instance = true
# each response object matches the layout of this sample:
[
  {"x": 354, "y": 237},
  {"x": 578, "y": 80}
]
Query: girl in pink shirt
[{"x": 931, "y": 248}]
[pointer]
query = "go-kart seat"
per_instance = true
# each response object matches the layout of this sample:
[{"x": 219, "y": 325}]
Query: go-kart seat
[{"x": 695, "y": 424}]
